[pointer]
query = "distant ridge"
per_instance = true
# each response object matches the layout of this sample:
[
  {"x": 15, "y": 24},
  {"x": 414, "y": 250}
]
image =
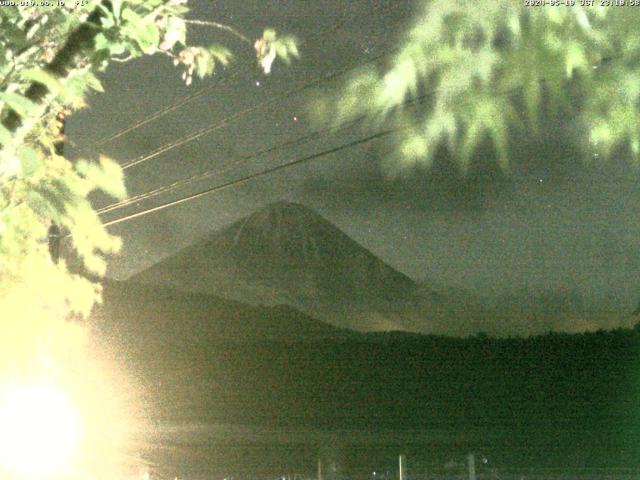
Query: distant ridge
[
  {"x": 286, "y": 253},
  {"x": 163, "y": 315}
]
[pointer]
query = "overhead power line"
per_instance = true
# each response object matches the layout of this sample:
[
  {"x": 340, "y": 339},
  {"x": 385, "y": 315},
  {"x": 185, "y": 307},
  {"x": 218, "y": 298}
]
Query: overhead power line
[
  {"x": 209, "y": 88},
  {"x": 161, "y": 113},
  {"x": 211, "y": 172},
  {"x": 314, "y": 134},
  {"x": 221, "y": 123},
  {"x": 249, "y": 177}
]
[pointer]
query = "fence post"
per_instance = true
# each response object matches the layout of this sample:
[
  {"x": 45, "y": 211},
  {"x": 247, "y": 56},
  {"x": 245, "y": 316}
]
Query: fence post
[
  {"x": 319, "y": 469},
  {"x": 402, "y": 466},
  {"x": 471, "y": 462}
]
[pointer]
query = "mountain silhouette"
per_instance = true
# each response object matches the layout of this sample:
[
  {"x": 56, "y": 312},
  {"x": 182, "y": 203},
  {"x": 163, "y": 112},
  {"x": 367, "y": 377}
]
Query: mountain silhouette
[
  {"x": 286, "y": 253},
  {"x": 155, "y": 316}
]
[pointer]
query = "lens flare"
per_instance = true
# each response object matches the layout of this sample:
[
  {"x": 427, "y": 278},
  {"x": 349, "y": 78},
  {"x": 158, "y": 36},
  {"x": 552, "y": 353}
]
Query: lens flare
[
  {"x": 39, "y": 430},
  {"x": 69, "y": 407}
]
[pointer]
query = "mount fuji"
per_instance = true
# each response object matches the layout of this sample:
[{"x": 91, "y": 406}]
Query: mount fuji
[{"x": 286, "y": 253}]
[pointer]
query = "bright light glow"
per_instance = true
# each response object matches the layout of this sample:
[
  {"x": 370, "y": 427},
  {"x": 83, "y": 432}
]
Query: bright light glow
[
  {"x": 68, "y": 407},
  {"x": 39, "y": 430}
]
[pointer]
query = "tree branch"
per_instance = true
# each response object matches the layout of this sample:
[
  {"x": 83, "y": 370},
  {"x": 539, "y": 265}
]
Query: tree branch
[
  {"x": 220, "y": 26},
  {"x": 64, "y": 61}
]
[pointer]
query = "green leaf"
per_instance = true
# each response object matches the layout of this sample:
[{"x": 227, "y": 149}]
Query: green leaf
[
  {"x": 22, "y": 105},
  {"x": 532, "y": 96},
  {"x": 31, "y": 160},
  {"x": 104, "y": 42},
  {"x": 148, "y": 36},
  {"x": 51, "y": 198},
  {"x": 175, "y": 32},
  {"x": 144, "y": 31},
  {"x": 118, "y": 48},
  {"x": 414, "y": 147},
  {"x": 269, "y": 35},
  {"x": 105, "y": 175},
  {"x": 575, "y": 58},
  {"x": 116, "y": 7},
  {"x": 107, "y": 20},
  {"x": 469, "y": 144},
  {"x": 220, "y": 53},
  {"x": 15, "y": 36},
  {"x": 582, "y": 19},
  {"x": 151, "y": 4},
  {"x": 204, "y": 63},
  {"x": 132, "y": 17},
  {"x": 178, "y": 10},
  {"x": 286, "y": 47},
  {"x": 93, "y": 82},
  {"x": 498, "y": 132},
  {"x": 101, "y": 42},
  {"x": 45, "y": 78},
  {"x": 5, "y": 135}
]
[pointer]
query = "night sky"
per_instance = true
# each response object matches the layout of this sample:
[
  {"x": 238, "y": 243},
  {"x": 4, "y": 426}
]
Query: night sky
[{"x": 560, "y": 219}]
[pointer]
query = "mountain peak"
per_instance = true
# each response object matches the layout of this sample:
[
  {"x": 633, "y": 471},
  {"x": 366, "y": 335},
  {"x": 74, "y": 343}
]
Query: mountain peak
[
  {"x": 283, "y": 216},
  {"x": 285, "y": 252},
  {"x": 286, "y": 206}
]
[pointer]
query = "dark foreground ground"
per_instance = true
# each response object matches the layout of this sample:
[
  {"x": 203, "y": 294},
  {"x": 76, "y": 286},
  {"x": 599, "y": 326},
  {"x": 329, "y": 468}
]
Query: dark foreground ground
[
  {"x": 357, "y": 455},
  {"x": 264, "y": 393}
]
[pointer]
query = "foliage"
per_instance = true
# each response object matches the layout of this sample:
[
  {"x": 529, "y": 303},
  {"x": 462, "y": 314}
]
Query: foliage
[
  {"x": 478, "y": 70},
  {"x": 271, "y": 46},
  {"x": 49, "y": 59}
]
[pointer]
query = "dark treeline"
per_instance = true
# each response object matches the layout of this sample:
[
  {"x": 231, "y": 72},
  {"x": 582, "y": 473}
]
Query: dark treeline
[
  {"x": 207, "y": 360},
  {"x": 289, "y": 369},
  {"x": 569, "y": 381}
]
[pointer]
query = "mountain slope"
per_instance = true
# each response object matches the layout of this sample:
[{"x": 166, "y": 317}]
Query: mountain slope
[
  {"x": 286, "y": 253},
  {"x": 165, "y": 316}
]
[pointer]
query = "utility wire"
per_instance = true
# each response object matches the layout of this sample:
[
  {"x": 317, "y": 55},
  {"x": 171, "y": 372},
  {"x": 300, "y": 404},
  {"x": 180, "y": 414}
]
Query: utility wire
[
  {"x": 221, "y": 123},
  {"x": 226, "y": 121},
  {"x": 209, "y": 88},
  {"x": 252, "y": 176},
  {"x": 162, "y": 112},
  {"x": 209, "y": 173},
  {"x": 314, "y": 134}
]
